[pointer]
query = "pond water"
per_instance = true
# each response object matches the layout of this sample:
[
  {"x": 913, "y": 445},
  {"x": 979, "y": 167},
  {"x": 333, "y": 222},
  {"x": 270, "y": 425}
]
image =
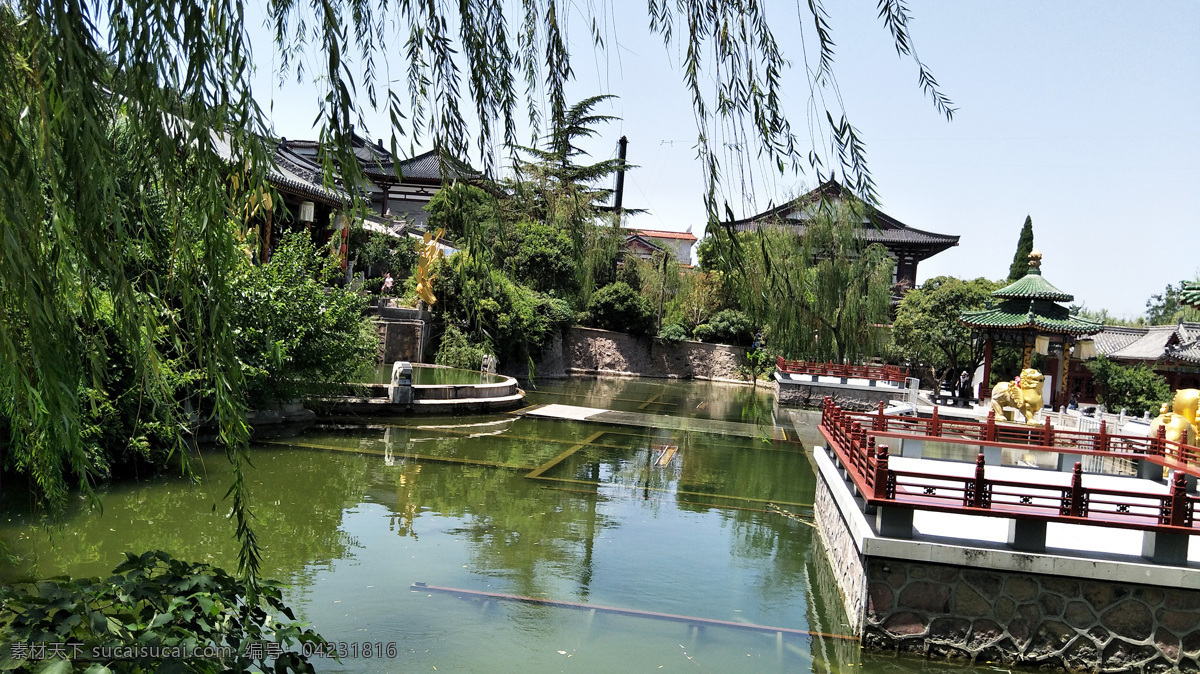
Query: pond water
[{"x": 680, "y": 522}]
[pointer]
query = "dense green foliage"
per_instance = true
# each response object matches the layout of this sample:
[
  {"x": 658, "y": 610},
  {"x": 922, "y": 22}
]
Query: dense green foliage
[
  {"x": 1020, "y": 263},
  {"x": 155, "y": 602},
  {"x": 294, "y": 334},
  {"x": 540, "y": 256},
  {"x": 1137, "y": 389},
  {"x": 618, "y": 307},
  {"x": 507, "y": 318},
  {"x": 927, "y": 330},
  {"x": 729, "y": 326}
]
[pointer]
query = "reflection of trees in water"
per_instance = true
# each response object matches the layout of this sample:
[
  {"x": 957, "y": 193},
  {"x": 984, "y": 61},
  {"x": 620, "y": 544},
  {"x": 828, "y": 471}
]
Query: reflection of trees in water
[
  {"x": 299, "y": 497},
  {"x": 517, "y": 529}
]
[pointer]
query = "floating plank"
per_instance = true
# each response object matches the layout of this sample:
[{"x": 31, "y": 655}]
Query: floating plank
[
  {"x": 661, "y": 421},
  {"x": 668, "y": 453},
  {"x": 690, "y": 620}
]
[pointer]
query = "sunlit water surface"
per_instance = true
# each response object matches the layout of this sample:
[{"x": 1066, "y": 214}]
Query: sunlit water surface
[{"x": 351, "y": 517}]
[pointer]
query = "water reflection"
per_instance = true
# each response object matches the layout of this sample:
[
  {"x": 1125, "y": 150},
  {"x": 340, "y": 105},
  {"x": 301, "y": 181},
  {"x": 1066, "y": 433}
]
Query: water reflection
[{"x": 352, "y": 516}]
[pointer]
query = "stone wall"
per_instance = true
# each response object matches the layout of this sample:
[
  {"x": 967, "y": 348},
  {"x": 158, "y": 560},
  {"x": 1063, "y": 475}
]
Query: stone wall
[
  {"x": 592, "y": 351},
  {"x": 1030, "y": 619},
  {"x": 844, "y": 556},
  {"x": 848, "y": 397}
]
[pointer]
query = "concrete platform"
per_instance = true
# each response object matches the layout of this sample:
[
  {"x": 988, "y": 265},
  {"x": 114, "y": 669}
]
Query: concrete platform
[{"x": 644, "y": 420}]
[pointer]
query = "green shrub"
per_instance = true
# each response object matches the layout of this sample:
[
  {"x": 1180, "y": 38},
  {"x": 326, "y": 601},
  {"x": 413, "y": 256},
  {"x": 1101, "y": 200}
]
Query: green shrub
[
  {"x": 294, "y": 334},
  {"x": 154, "y": 601},
  {"x": 674, "y": 333},
  {"x": 458, "y": 351},
  {"x": 618, "y": 307},
  {"x": 726, "y": 327},
  {"x": 541, "y": 257}
]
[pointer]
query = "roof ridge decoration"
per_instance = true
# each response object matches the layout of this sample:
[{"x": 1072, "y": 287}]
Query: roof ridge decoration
[{"x": 1032, "y": 285}]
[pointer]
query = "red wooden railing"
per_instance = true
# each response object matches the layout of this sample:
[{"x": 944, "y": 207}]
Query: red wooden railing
[
  {"x": 1044, "y": 438},
  {"x": 888, "y": 373},
  {"x": 867, "y": 464}
]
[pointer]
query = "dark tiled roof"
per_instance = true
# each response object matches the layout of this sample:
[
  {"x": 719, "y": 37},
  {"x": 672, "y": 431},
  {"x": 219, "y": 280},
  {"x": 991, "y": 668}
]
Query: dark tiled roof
[
  {"x": 292, "y": 174},
  {"x": 427, "y": 167},
  {"x": 1024, "y": 314},
  {"x": 1151, "y": 344},
  {"x": 1113, "y": 338},
  {"x": 882, "y": 228}
]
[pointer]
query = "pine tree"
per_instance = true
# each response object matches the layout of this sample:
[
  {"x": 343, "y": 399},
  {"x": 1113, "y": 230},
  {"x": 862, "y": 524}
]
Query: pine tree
[{"x": 1020, "y": 263}]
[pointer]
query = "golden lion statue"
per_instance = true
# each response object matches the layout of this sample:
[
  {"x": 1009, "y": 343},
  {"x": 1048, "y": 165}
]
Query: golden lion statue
[
  {"x": 1181, "y": 422},
  {"x": 1023, "y": 393}
]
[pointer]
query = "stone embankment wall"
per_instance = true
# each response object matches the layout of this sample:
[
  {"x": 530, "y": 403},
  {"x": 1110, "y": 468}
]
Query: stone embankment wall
[
  {"x": 967, "y": 613},
  {"x": 855, "y": 398},
  {"x": 592, "y": 351},
  {"x": 403, "y": 334},
  {"x": 1030, "y": 619}
]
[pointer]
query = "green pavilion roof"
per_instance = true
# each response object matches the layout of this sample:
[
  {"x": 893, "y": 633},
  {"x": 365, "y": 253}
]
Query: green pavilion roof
[
  {"x": 1025, "y": 314},
  {"x": 1190, "y": 293},
  {"x": 1031, "y": 304},
  {"x": 1032, "y": 286}
]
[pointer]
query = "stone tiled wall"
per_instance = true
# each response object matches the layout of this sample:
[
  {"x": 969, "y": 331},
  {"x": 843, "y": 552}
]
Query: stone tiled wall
[
  {"x": 844, "y": 557},
  {"x": 802, "y": 394},
  {"x": 592, "y": 351},
  {"x": 1042, "y": 621}
]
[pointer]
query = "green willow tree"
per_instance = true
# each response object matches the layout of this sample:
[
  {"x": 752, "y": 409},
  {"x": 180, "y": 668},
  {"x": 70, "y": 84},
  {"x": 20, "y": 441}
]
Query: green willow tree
[
  {"x": 180, "y": 73},
  {"x": 823, "y": 295}
]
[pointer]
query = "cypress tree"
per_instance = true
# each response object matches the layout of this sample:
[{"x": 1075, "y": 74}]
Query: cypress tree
[{"x": 1020, "y": 263}]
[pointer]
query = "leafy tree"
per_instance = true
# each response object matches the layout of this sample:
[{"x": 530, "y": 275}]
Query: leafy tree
[
  {"x": 539, "y": 256},
  {"x": 1020, "y": 263},
  {"x": 1165, "y": 308},
  {"x": 927, "y": 329},
  {"x": 701, "y": 294},
  {"x": 294, "y": 334},
  {"x": 1136, "y": 388},
  {"x": 378, "y": 253},
  {"x": 821, "y": 295},
  {"x": 618, "y": 307}
]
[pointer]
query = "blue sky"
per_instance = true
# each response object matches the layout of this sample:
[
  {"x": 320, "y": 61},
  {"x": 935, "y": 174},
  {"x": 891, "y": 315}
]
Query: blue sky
[{"x": 1083, "y": 115}]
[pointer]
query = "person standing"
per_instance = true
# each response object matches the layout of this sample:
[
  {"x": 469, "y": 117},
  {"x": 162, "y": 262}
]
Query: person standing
[
  {"x": 388, "y": 283},
  {"x": 964, "y": 385}
]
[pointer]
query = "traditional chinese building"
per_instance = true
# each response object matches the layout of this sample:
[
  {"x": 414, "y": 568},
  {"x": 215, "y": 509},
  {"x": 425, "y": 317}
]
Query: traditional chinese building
[
  {"x": 645, "y": 242},
  {"x": 907, "y": 245},
  {"x": 1172, "y": 351},
  {"x": 398, "y": 188},
  {"x": 1028, "y": 313}
]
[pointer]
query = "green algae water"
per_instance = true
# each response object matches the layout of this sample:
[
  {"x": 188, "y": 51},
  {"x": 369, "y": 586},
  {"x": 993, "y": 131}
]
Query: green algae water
[{"x": 355, "y": 517}]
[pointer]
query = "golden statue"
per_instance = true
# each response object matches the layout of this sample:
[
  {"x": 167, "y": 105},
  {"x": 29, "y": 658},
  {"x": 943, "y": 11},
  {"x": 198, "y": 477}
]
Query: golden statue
[
  {"x": 1024, "y": 393},
  {"x": 1181, "y": 421},
  {"x": 430, "y": 252}
]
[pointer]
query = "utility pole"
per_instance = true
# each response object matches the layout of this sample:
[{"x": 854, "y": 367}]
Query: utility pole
[{"x": 619, "y": 194}]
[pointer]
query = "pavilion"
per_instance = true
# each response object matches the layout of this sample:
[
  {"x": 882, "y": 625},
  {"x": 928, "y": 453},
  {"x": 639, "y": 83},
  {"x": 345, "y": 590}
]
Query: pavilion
[
  {"x": 906, "y": 245},
  {"x": 1029, "y": 313}
]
